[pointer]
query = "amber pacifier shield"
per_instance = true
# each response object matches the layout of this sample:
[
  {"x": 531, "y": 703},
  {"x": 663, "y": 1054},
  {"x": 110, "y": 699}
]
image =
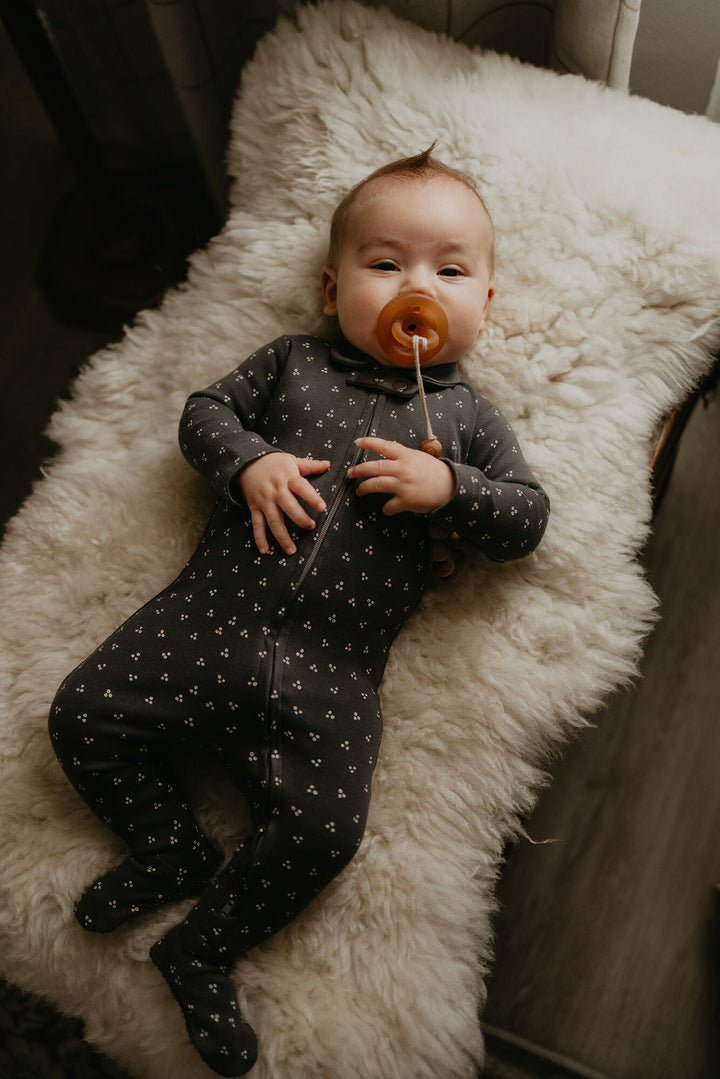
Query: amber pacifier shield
[{"x": 406, "y": 317}]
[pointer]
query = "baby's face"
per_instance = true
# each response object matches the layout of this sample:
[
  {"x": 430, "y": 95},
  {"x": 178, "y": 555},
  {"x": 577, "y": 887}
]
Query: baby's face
[{"x": 429, "y": 236}]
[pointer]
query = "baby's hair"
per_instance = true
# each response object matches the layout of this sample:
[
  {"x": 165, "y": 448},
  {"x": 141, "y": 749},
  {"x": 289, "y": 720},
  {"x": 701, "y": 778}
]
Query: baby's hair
[{"x": 418, "y": 167}]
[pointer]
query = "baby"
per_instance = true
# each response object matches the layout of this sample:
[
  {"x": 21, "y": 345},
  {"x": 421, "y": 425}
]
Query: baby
[{"x": 268, "y": 648}]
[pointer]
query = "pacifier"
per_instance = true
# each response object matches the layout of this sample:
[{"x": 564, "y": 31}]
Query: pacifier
[
  {"x": 405, "y": 318},
  {"x": 407, "y": 326}
]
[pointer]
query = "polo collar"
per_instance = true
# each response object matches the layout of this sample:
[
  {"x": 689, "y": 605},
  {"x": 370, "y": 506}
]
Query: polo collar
[{"x": 397, "y": 381}]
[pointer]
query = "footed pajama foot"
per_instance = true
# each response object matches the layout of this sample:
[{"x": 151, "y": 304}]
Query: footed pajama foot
[
  {"x": 199, "y": 982},
  {"x": 138, "y": 885}
]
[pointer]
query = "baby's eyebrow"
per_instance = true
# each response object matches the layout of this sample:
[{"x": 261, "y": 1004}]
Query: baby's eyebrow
[
  {"x": 382, "y": 241},
  {"x": 448, "y": 247}
]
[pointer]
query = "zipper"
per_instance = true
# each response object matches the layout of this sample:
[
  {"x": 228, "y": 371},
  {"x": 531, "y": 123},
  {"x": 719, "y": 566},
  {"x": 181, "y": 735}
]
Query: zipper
[
  {"x": 273, "y": 758},
  {"x": 337, "y": 498}
]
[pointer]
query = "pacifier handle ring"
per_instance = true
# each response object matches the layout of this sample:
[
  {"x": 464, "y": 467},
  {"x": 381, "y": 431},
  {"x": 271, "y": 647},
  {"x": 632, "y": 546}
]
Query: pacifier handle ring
[{"x": 403, "y": 335}]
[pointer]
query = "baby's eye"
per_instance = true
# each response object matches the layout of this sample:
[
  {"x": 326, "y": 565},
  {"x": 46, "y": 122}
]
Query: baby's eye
[
  {"x": 386, "y": 265},
  {"x": 450, "y": 271}
]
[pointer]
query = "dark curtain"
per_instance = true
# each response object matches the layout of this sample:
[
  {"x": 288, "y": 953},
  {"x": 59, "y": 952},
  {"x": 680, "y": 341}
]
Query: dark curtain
[{"x": 155, "y": 79}]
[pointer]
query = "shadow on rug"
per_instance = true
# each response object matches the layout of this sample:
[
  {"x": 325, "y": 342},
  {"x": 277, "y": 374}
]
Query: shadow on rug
[{"x": 36, "y": 1042}]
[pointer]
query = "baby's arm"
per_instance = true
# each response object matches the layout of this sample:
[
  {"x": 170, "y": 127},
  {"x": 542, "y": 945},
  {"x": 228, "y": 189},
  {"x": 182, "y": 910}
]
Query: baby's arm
[
  {"x": 416, "y": 482},
  {"x": 498, "y": 504},
  {"x": 492, "y": 499},
  {"x": 218, "y": 437},
  {"x": 271, "y": 486},
  {"x": 218, "y": 428}
]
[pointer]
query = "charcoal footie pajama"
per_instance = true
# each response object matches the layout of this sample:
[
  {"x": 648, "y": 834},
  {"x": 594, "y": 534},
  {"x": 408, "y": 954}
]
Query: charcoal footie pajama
[{"x": 272, "y": 662}]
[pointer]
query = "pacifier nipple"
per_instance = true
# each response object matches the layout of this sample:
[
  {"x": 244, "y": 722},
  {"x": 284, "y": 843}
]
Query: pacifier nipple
[{"x": 405, "y": 318}]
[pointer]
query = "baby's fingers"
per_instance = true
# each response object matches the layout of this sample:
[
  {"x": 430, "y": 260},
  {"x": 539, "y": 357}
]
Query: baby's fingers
[
  {"x": 308, "y": 466},
  {"x": 289, "y": 504},
  {"x": 259, "y": 533},
  {"x": 376, "y": 485},
  {"x": 278, "y": 527},
  {"x": 374, "y": 467},
  {"x": 385, "y": 447},
  {"x": 385, "y": 484},
  {"x": 302, "y": 488}
]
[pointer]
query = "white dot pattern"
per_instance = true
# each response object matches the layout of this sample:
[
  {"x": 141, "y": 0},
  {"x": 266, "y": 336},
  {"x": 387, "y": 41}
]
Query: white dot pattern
[{"x": 273, "y": 662}]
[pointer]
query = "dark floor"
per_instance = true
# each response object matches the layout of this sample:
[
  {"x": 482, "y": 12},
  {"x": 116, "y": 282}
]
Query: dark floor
[
  {"x": 608, "y": 952},
  {"x": 609, "y": 936}
]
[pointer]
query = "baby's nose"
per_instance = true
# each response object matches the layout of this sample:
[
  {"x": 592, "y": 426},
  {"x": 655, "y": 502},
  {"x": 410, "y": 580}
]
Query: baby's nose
[{"x": 419, "y": 280}]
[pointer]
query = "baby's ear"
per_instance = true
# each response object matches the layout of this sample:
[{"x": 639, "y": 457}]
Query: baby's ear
[
  {"x": 328, "y": 283},
  {"x": 491, "y": 293}
]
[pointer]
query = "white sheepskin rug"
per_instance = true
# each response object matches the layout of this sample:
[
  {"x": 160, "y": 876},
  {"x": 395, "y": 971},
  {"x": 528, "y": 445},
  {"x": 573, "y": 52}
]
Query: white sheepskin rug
[{"x": 608, "y": 292}]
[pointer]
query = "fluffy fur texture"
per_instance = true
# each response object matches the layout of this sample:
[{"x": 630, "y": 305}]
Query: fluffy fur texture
[{"x": 608, "y": 291}]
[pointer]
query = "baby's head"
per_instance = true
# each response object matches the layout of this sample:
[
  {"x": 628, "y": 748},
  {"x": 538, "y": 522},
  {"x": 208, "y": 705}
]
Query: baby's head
[{"x": 413, "y": 226}]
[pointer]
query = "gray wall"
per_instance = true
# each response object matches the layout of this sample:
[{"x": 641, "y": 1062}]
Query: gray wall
[{"x": 676, "y": 55}]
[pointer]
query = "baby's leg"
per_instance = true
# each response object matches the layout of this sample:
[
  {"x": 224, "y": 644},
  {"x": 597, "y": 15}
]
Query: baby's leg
[
  {"x": 112, "y": 724},
  {"x": 315, "y": 795}
]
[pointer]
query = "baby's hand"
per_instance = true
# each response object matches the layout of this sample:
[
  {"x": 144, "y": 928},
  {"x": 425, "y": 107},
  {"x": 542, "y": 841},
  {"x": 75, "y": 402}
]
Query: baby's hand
[
  {"x": 417, "y": 482},
  {"x": 271, "y": 486}
]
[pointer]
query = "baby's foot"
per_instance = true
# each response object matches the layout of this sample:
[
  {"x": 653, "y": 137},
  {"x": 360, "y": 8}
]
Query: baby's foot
[
  {"x": 138, "y": 885},
  {"x": 208, "y": 1001}
]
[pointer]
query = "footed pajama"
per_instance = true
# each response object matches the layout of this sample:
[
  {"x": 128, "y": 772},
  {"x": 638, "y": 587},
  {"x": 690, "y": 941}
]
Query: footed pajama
[{"x": 272, "y": 662}]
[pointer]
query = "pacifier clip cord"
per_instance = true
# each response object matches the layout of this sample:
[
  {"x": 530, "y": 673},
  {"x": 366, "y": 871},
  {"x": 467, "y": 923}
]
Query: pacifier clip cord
[
  {"x": 430, "y": 444},
  {"x": 447, "y": 553}
]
